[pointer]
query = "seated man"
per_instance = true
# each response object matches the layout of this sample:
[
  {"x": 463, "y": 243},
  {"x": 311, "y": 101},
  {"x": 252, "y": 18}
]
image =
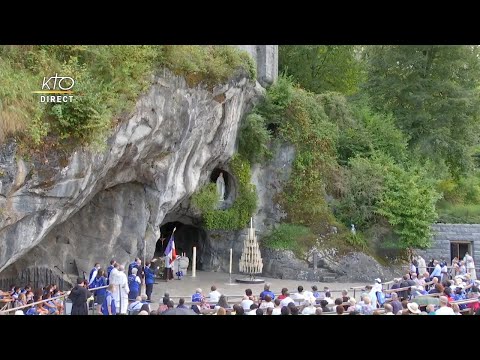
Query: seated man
[
  {"x": 287, "y": 300},
  {"x": 164, "y": 306},
  {"x": 181, "y": 304},
  {"x": 266, "y": 291},
  {"x": 299, "y": 296},
  {"x": 246, "y": 303},
  {"x": 214, "y": 295}
]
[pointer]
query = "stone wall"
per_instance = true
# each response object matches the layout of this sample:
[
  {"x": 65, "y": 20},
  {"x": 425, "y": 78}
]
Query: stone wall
[{"x": 444, "y": 234}]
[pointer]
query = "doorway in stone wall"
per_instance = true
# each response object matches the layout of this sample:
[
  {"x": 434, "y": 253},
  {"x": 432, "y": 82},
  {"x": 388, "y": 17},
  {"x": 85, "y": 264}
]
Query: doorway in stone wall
[{"x": 459, "y": 249}]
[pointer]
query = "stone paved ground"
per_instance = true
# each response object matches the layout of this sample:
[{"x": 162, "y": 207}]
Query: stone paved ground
[{"x": 186, "y": 287}]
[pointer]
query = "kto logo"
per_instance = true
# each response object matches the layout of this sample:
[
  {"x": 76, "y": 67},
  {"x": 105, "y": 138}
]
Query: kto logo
[{"x": 59, "y": 85}]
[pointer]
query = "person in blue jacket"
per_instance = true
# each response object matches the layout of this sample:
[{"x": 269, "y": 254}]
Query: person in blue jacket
[
  {"x": 109, "y": 270},
  {"x": 108, "y": 306},
  {"x": 149, "y": 278},
  {"x": 134, "y": 283}
]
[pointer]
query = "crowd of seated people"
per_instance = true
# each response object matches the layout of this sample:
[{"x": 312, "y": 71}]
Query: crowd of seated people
[{"x": 18, "y": 296}]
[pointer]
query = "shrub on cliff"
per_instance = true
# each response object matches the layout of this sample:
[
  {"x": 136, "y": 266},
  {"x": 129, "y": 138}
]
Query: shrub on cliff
[{"x": 108, "y": 81}]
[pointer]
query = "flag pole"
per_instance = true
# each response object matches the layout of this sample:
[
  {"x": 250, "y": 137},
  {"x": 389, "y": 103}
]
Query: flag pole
[
  {"x": 167, "y": 258},
  {"x": 144, "y": 284}
]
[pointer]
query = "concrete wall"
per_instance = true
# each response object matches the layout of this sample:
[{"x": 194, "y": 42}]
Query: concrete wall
[
  {"x": 444, "y": 234},
  {"x": 266, "y": 57}
]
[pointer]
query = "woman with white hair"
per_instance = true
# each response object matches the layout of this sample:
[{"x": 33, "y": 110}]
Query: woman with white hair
[
  {"x": 198, "y": 296},
  {"x": 367, "y": 308},
  {"x": 309, "y": 309},
  {"x": 353, "y": 305}
]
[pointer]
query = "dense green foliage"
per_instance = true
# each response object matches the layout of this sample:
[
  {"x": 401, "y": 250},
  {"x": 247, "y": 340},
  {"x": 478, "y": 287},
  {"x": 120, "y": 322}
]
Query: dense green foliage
[
  {"x": 378, "y": 187},
  {"x": 433, "y": 93},
  {"x": 404, "y": 144},
  {"x": 461, "y": 200},
  {"x": 366, "y": 172},
  {"x": 206, "y": 199},
  {"x": 209, "y": 64},
  {"x": 321, "y": 68},
  {"x": 254, "y": 138},
  {"x": 408, "y": 203},
  {"x": 364, "y": 185},
  {"x": 108, "y": 81},
  {"x": 296, "y": 238},
  {"x": 458, "y": 213},
  {"x": 238, "y": 215}
]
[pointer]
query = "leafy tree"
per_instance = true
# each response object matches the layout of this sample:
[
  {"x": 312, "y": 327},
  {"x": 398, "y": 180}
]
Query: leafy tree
[
  {"x": 385, "y": 137},
  {"x": 277, "y": 99},
  {"x": 321, "y": 68},
  {"x": 364, "y": 188},
  {"x": 432, "y": 92},
  {"x": 408, "y": 203}
]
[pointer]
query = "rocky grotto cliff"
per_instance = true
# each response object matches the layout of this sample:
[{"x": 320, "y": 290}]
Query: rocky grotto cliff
[
  {"x": 66, "y": 211},
  {"x": 106, "y": 204}
]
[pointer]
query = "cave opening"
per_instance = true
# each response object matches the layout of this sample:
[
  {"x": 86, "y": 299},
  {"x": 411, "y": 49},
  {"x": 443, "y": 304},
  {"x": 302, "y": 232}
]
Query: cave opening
[
  {"x": 186, "y": 237},
  {"x": 273, "y": 128}
]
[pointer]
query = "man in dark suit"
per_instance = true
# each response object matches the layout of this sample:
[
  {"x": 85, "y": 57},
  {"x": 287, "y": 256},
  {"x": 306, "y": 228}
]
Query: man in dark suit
[
  {"x": 404, "y": 293},
  {"x": 79, "y": 295}
]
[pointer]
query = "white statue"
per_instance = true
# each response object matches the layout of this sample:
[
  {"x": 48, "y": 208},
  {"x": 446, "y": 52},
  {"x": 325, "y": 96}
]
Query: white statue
[
  {"x": 221, "y": 187},
  {"x": 353, "y": 230}
]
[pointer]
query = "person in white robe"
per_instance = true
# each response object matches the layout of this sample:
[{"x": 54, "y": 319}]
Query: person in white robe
[
  {"x": 422, "y": 265},
  {"x": 470, "y": 265},
  {"x": 124, "y": 289}
]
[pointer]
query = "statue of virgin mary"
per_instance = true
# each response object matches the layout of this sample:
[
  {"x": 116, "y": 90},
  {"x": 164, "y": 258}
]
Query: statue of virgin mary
[{"x": 221, "y": 187}]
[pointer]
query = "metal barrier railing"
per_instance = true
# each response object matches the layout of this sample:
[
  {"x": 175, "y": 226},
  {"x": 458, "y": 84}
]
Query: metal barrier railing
[{"x": 46, "y": 300}]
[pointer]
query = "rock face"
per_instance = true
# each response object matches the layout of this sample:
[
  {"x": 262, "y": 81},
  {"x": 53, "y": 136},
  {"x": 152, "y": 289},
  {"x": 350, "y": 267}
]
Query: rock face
[
  {"x": 215, "y": 255},
  {"x": 154, "y": 161},
  {"x": 357, "y": 266},
  {"x": 114, "y": 223},
  {"x": 269, "y": 180},
  {"x": 354, "y": 267}
]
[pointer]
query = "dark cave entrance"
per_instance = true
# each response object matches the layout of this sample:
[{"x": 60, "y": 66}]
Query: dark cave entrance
[
  {"x": 186, "y": 237},
  {"x": 273, "y": 128}
]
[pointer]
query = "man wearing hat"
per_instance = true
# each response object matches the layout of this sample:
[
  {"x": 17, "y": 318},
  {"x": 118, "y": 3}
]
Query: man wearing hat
[{"x": 413, "y": 309}]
